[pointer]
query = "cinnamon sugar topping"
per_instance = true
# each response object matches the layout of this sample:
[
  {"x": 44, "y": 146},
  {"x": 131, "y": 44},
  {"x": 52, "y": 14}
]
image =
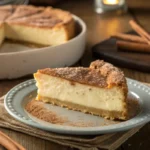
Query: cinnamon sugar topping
[
  {"x": 113, "y": 74},
  {"x": 39, "y": 16},
  {"x": 80, "y": 74},
  {"x": 36, "y": 108},
  {"x": 25, "y": 11},
  {"x": 100, "y": 74}
]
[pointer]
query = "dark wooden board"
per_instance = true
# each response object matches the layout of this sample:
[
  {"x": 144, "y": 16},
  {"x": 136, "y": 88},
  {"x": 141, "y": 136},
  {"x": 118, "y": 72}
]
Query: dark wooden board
[{"x": 107, "y": 50}]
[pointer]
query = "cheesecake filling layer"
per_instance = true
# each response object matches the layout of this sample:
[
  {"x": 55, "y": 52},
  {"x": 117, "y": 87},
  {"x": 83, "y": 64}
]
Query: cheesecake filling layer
[
  {"x": 36, "y": 35},
  {"x": 85, "y": 95}
]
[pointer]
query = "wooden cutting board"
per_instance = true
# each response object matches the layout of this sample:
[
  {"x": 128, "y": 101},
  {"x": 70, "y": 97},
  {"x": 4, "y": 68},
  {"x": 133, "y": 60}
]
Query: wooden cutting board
[{"x": 107, "y": 50}]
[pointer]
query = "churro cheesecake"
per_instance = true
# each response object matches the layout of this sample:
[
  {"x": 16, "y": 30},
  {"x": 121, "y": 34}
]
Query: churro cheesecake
[
  {"x": 39, "y": 25},
  {"x": 100, "y": 89}
]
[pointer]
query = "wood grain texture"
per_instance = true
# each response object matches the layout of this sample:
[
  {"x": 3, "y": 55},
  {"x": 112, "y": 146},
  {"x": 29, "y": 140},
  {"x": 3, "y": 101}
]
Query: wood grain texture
[{"x": 100, "y": 27}]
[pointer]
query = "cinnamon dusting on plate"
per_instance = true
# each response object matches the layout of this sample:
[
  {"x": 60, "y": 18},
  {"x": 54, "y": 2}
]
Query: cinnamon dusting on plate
[{"x": 37, "y": 109}]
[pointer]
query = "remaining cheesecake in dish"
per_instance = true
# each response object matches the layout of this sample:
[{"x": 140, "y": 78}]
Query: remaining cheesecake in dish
[
  {"x": 40, "y": 25},
  {"x": 100, "y": 89}
]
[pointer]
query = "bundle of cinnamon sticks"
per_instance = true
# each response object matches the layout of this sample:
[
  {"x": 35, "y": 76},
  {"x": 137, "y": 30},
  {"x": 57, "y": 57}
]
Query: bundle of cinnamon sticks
[
  {"x": 8, "y": 143},
  {"x": 134, "y": 43}
]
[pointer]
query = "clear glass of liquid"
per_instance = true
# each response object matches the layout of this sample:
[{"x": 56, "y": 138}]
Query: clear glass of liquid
[{"x": 102, "y": 6}]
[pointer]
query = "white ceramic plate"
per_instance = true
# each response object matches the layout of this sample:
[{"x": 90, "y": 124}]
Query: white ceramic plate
[
  {"x": 17, "y": 98},
  {"x": 17, "y": 60}
]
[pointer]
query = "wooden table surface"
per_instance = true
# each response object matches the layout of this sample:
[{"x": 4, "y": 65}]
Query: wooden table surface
[{"x": 99, "y": 28}]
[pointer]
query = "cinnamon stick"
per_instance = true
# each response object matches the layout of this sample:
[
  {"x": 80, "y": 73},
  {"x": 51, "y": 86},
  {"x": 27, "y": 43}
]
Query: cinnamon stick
[
  {"x": 133, "y": 47},
  {"x": 129, "y": 37},
  {"x": 8, "y": 143},
  {"x": 140, "y": 31}
]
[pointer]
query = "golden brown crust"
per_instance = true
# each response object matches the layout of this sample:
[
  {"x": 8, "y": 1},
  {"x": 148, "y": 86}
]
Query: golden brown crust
[
  {"x": 37, "y": 109},
  {"x": 122, "y": 115}
]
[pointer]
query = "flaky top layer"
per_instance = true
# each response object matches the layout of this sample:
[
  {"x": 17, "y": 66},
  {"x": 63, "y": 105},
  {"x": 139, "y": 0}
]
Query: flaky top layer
[
  {"x": 99, "y": 74},
  {"x": 34, "y": 16},
  {"x": 113, "y": 74}
]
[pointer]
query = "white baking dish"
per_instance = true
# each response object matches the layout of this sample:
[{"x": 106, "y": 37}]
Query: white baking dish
[{"x": 16, "y": 60}]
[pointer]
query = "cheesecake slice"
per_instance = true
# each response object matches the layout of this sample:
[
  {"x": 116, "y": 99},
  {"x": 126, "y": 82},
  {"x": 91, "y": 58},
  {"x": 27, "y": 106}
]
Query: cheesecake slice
[{"x": 100, "y": 89}]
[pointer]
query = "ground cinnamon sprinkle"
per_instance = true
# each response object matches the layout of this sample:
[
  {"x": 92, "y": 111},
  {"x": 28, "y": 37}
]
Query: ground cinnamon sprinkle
[{"x": 37, "y": 110}]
